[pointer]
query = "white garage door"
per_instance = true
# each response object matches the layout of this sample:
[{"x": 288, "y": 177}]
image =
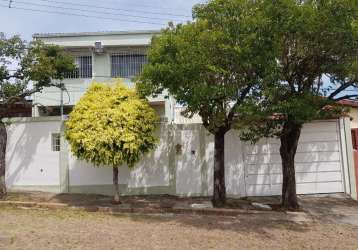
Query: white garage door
[{"x": 318, "y": 163}]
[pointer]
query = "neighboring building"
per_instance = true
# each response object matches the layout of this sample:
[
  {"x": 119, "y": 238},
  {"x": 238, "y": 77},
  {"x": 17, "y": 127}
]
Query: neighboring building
[
  {"x": 101, "y": 57},
  {"x": 17, "y": 109},
  {"x": 353, "y": 113}
]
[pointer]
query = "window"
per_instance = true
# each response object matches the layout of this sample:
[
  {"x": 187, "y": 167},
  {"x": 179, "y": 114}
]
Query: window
[
  {"x": 83, "y": 69},
  {"x": 56, "y": 142},
  {"x": 127, "y": 65}
]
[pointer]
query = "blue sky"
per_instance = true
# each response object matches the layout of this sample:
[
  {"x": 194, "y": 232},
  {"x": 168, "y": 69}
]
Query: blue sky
[{"x": 25, "y": 22}]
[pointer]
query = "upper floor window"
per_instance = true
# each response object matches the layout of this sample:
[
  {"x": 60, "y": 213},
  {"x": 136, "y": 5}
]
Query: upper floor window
[
  {"x": 127, "y": 65},
  {"x": 83, "y": 68}
]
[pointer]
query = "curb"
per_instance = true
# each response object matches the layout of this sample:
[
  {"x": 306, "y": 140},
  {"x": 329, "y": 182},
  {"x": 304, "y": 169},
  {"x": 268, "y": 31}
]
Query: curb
[{"x": 122, "y": 209}]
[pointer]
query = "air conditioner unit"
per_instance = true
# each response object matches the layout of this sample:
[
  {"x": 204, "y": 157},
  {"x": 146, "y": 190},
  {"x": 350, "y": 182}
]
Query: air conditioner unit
[{"x": 98, "y": 48}]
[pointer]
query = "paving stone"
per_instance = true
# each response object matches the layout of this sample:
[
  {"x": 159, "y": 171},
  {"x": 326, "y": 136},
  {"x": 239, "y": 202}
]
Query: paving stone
[
  {"x": 202, "y": 205},
  {"x": 261, "y": 206}
]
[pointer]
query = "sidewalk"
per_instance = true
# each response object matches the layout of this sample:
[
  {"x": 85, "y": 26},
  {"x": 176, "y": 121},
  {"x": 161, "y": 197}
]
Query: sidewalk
[
  {"x": 130, "y": 204},
  {"x": 334, "y": 208}
]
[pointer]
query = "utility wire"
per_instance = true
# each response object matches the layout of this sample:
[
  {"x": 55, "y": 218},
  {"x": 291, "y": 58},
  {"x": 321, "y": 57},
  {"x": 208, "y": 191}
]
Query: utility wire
[
  {"x": 92, "y": 11},
  {"x": 80, "y": 15},
  {"x": 118, "y": 9},
  {"x": 137, "y": 5}
]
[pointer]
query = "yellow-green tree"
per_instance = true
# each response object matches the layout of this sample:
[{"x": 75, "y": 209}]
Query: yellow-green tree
[{"x": 111, "y": 126}]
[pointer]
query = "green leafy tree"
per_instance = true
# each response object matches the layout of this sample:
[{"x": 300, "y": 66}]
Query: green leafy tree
[
  {"x": 111, "y": 126},
  {"x": 211, "y": 66},
  {"x": 315, "y": 46},
  {"x": 26, "y": 68}
]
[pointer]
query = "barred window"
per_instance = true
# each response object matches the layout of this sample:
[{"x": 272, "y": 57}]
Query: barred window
[
  {"x": 83, "y": 68},
  {"x": 127, "y": 65},
  {"x": 56, "y": 142}
]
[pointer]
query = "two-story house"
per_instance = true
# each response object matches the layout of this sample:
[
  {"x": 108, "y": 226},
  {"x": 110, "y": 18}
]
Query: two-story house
[
  {"x": 324, "y": 160},
  {"x": 101, "y": 57}
]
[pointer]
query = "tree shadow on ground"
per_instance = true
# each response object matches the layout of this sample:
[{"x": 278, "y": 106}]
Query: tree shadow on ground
[
  {"x": 325, "y": 209},
  {"x": 258, "y": 224},
  {"x": 332, "y": 208}
]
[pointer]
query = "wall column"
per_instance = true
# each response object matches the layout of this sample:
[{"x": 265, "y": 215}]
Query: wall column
[
  {"x": 64, "y": 162},
  {"x": 347, "y": 155}
]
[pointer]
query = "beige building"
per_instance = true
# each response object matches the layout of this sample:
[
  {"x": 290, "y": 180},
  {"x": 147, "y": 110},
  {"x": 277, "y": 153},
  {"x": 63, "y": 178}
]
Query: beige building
[{"x": 353, "y": 113}]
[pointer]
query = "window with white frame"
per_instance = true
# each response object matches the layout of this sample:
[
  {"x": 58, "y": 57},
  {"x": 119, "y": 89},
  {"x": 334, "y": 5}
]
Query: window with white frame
[
  {"x": 56, "y": 142},
  {"x": 127, "y": 65},
  {"x": 83, "y": 68}
]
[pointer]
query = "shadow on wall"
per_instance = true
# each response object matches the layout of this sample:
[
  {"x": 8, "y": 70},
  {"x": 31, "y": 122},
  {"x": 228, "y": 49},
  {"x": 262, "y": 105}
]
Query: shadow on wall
[
  {"x": 30, "y": 160},
  {"x": 234, "y": 164},
  {"x": 188, "y": 162},
  {"x": 195, "y": 162},
  {"x": 318, "y": 162},
  {"x": 152, "y": 171},
  {"x": 182, "y": 162}
]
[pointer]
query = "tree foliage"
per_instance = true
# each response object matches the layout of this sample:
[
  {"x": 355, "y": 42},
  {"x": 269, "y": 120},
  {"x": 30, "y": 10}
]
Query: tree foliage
[
  {"x": 211, "y": 66},
  {"x": 26, "y": 68},
  {"x": 111, "y": 126},
  {"x": 315, "y": 47}
]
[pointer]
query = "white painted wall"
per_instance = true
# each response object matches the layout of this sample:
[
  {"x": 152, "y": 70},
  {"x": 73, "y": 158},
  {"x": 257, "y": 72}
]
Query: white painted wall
[
  {"x": 153, "y": 170},
  {"x": 234, "y": 168},
  {"x": 250, "y": 169},
  {"x": 318, "y": 162},
  {"x": 180, "y": 119},
  {"x": 188, "y": 167},
  {"x": 30, "y": 160},
  {"x": 234, "y": 165}
]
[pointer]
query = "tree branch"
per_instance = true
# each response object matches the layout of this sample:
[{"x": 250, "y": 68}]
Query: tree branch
[
  {"x": 340, "y": 89},
  {"x": 238, "y": 102},
  {"x": 21, "y": 96}
]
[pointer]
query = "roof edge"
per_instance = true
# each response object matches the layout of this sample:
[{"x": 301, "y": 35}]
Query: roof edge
[
  {"x": 350, "y": 103},
  {"x": 99, "y": 33}
]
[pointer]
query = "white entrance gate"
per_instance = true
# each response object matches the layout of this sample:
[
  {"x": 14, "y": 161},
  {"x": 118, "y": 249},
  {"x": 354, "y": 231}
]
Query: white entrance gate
[{"x": 318, "y": 162}]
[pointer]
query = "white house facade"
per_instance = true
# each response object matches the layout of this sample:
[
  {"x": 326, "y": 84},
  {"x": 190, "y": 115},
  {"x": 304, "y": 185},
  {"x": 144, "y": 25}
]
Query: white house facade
[{"x": 100, "y": 57}]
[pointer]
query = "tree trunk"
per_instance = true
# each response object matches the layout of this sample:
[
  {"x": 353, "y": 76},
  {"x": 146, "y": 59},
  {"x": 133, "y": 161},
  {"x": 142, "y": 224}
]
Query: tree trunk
[
  {"x": 289, "y": 142},
  {"x": 3, "y": 140},
  {"x": 115, "y": 186},
  {"x": 219, "y": 198}
]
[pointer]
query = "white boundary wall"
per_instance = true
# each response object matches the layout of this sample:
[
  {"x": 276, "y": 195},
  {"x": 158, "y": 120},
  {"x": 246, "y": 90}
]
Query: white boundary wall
[
  {"x": 30, "y": 161},
  {"x": 182, "y": 164}
]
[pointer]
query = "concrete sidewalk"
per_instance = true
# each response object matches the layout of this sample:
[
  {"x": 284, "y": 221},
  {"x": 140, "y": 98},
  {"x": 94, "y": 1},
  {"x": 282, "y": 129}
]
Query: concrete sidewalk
[
  {"x": 130, "y": 204},
  {"x": 329, "y": 208}
]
